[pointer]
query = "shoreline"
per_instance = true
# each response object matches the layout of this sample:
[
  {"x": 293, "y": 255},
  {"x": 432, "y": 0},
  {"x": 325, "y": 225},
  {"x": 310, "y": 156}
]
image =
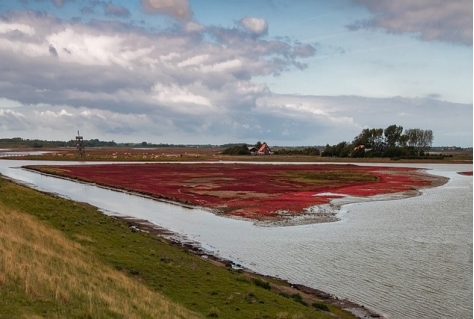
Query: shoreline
[{"x": 311, "y": 294}]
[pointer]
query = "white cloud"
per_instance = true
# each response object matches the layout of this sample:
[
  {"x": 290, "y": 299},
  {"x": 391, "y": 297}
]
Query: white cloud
[
  {"x": 192, "y": 26},
  {"x": 11, "y": 27},
  {"x": 12, "y": 121},
  {"x": 245, "y": 88},
  {"x": 256, "y": 26},
  {"x": 304, "y": 108},
  {"x": 178, "y": 95},
  {"x": 10, "y": 113},
  {"x": 335, "y": 119},
  {"x": 116, "y": 66},
  {"x": 195, "y": 60},
  {"x": 441, "y": 20},
  {"x": 277, "y": 119},
  {"x": 28, "y": 49},
  {"x": 48, "y": 114},
  {"x": 8, "y": 104},
  {"x": 222, "y": 66},
  {"x": 88, "y": 49},
  {"x": 177, "y": 8}
]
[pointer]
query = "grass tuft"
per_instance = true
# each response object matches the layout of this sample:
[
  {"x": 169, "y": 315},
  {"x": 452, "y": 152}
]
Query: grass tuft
[{"x": 262, "y": 283}]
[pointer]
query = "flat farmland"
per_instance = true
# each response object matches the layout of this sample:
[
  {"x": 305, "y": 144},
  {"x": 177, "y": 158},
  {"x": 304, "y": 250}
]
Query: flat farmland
[{"x": 261, "y": 192}]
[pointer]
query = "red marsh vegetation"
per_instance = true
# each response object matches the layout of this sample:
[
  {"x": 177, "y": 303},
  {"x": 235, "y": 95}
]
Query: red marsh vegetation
[{"x": 248, "y": 190}]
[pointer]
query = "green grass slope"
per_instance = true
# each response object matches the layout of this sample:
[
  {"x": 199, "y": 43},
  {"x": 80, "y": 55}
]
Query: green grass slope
[{"x": 63, "y": 259}]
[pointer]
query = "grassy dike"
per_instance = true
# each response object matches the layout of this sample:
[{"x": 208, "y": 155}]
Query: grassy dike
[{"x": 63, "y": 259}]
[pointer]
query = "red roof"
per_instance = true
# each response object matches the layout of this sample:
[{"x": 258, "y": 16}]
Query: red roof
[{"x": 264, "y": 148}]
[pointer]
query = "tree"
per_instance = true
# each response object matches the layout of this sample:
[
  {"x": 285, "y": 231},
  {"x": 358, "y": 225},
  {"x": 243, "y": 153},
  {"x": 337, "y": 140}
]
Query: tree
[
  {"x": 411, "y": 137},
  {"x": 339, "y": 150},
  {"x": 346, "y": 151},
  {"x": 389, "y": 142},
  {"x": 237, "y": 150},
  {"x": 419, "y": 139},
  {"x": 427, "y": 139},
  {"x": 328, "y": 151},
  {"x": 404, "y": 140},
  {"x": 371, "y": 138},
  {"x": 362, "y": 138},
  {"x": 392, "y": 135}
]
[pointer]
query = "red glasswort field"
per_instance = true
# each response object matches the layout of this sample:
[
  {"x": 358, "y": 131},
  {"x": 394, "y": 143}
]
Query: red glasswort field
[{"x": 249, "y": 190}]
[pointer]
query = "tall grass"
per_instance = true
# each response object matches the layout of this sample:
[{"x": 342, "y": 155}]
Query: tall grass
[{"x": 43, "y": 273}]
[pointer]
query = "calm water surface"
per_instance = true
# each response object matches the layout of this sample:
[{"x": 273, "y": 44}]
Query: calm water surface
[{"x": 405, "y": 258}]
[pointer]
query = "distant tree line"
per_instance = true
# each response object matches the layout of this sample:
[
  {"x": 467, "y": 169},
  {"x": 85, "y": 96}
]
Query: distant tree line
[
  {"x": 391, "y": 142},
  {"x": 309, "y": 151},
  {"x": 35, "y": 143},
  {"x": 241, "y": 149}
]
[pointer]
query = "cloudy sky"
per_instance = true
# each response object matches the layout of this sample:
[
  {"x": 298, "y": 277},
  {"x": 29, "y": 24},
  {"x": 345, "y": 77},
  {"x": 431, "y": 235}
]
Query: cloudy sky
[{"x": 288, "y": 72}]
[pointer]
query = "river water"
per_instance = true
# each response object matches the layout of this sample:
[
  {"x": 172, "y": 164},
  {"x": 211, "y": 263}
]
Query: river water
[{"x": 404, "y": 258}]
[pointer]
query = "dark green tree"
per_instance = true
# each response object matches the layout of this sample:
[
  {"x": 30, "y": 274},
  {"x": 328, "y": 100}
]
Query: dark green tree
[
  {"x": 328, "y": 151},
  {"x": 393, "y": 134},
  {"x": 237, "y": 150},
  {"x": 371, "y": 138},
  {"x": 339, "y": 149}
]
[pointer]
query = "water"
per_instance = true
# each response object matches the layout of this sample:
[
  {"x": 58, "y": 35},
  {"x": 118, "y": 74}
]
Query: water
[
  {"x": 405, "y": 258},
  {"x": 10, "y": 153}
]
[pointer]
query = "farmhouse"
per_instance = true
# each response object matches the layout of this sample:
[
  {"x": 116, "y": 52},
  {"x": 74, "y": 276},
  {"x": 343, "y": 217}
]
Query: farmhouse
[
  {"x": 264, "y": 150},
  {"x": 252, "y": 149}
]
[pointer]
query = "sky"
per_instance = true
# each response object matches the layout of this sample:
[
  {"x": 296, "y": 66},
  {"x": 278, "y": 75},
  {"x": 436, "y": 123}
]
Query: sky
[{"x": 289, "y": 73}]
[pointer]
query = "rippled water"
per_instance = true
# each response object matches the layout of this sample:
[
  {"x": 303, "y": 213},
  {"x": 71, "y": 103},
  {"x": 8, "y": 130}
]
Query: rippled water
[{"x": 406, "y": 258}]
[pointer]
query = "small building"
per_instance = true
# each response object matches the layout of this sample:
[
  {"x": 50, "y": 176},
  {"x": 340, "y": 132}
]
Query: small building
[
  {"x": 264, "y": 150},
  {"x": 252, "y": 149}
]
